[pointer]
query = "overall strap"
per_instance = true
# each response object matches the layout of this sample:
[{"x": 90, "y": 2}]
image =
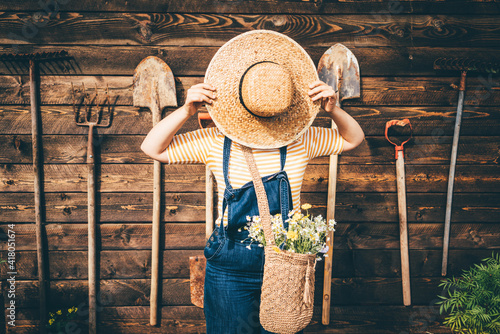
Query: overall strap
[
  {"x": 283, "y": 151},
  {"x": 225, "y": 161},
  {"x": 284, "y": 186}
]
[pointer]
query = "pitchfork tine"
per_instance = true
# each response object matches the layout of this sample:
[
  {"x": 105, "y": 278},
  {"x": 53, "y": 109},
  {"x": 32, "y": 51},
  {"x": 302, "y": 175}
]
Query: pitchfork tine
[{"x": 100, "y": 121}]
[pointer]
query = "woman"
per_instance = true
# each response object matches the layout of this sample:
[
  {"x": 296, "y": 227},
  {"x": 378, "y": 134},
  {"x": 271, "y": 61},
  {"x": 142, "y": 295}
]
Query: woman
[{"x": 262, "y": 92}]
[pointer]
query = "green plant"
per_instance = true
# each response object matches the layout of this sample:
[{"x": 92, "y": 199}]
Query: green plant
[
  {"x": 58, "y": 319},
  {"x": 473, "y": 301}
]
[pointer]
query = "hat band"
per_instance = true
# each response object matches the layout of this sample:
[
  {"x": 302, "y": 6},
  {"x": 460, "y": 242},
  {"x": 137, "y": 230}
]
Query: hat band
[{"x": 241, "y": 84}]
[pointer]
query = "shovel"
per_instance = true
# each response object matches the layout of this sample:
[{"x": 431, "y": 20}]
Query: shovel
[
  {"x": 154, "y": 88},
  {"x": 400, "y": 127},
  {"x": 339, "y": 68}
]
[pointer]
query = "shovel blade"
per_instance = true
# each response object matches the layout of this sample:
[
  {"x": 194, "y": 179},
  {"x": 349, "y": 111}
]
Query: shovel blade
[
  {"x": 339, "y": 68},
  {"x": 197, "y": 279},
  {"x": 154, "y": 84}
]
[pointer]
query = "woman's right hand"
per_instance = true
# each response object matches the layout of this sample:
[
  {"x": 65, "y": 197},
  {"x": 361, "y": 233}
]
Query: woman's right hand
[{"x": 197, "y": 95}]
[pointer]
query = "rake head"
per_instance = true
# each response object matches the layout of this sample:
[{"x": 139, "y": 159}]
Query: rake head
[
  {"x": 465, "y": 64},
  {"x": 40, "y": 56}
]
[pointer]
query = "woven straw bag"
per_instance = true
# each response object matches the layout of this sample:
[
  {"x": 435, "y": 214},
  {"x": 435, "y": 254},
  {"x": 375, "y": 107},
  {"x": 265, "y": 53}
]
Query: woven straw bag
[{"x": 287, "y": 297}]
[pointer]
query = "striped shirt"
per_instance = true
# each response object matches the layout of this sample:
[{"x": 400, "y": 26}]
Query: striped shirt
[{"x": 206, "y": 146}]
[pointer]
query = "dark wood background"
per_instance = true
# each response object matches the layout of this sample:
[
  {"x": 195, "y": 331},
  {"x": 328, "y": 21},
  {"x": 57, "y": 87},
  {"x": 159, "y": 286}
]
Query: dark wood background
[{"x": 395, "y": 42}]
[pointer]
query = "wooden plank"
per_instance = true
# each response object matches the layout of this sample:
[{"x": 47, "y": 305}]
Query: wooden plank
[
  {"x": 190, "y": 178},
  {"x": 193, "y": 60},
  {"x": 112, "y": 236},
  {"x": 421, "y": 207},
  {"x": 190, "y": 207},
  {"x": 135, "y": 292},
  {"x": 375, "y": 91},
  {"x": 426, "y": 120},
  {"x": 189, "y": 236},
  {"x": 381, "y": 319},
  {"x": 114, "y": 178},
  {"x": 269, "y": 6},
  {"x": 423, "y": 150},
  {"x": 136, "y": 264},
  {"x": 77, "y": 28},
  {"x": 113, "y": 264},
  {"x": 72, "y": 207}
]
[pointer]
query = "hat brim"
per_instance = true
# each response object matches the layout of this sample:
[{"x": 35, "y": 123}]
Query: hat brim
[{"x": 224, "y": 73}]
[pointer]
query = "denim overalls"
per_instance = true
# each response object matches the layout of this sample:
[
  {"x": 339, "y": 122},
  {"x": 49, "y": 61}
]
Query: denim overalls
[{"x": 233, "y": 278}]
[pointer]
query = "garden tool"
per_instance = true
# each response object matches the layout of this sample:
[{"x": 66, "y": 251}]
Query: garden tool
[
  {"x": 197, "y": 263},
  {"x": 463, "y": 65},
  {"x": 339, "y": 68},
  {"x": 154, "y": 88},
  {"x": 92, "y": 122},
  {"x": 34, "y": 60},
  {"x": 401, "y": 128}
]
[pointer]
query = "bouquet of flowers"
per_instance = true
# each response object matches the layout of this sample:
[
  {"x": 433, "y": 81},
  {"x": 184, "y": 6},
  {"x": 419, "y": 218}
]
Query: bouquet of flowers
[{"x": 305, "y": 235}]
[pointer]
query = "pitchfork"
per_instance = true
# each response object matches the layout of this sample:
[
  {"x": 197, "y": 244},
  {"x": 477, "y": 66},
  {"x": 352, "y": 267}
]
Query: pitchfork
[{"x": 91, "y": 193}]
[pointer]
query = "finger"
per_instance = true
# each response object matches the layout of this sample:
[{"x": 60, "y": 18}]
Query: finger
[
  {"x": 321, "y": 96},
  {"x": 204, "y": 85},
  {"x": 316, "y": 83},
  {"x": 200, "y": 98},
  {"x": 320, "y": 89},
  {"x": 199, "y": 90}
]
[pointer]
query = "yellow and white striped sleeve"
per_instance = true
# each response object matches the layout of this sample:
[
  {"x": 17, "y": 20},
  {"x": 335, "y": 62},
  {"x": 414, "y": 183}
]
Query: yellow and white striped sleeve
[
  {"x": 320, "y": 141},
  {"x": 191, "y": 147}
]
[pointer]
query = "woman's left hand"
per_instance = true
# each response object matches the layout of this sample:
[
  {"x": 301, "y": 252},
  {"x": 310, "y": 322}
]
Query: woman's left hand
[{"x": 320, "y": 90}]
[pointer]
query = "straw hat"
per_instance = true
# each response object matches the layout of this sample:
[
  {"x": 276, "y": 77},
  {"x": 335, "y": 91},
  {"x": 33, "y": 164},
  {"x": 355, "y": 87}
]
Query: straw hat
[{"x": 262, "y": 79}]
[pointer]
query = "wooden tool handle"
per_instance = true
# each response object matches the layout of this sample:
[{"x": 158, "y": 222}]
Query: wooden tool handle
[
  {"x": 92, "y": 252},
  {"x": 330, "y": 214},
  {"x": 155, "y": 247},
  {"x": 38, "y": 191},
  {"x": 451, "y": 176},
  {"x": 403, "y": 229}
]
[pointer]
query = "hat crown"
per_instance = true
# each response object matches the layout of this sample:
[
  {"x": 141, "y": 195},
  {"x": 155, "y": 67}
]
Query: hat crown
[{"x": 266, "y": 89}]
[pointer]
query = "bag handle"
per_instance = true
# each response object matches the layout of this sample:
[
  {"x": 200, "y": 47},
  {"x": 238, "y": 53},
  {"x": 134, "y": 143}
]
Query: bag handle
[{"x": 260, "y": 191}]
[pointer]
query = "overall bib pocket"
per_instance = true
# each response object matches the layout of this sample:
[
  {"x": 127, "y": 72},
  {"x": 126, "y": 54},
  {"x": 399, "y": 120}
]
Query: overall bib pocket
[{"x": 214, "y": 244}]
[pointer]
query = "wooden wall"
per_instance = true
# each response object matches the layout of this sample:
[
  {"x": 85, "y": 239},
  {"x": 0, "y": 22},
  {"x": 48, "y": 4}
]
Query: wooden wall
[{"x": 395, "y": 42}]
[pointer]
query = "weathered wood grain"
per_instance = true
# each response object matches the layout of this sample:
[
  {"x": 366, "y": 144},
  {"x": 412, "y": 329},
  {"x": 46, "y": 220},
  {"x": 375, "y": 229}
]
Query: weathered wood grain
[
  {"x": 112, "y": 236},
  {"x": 395, "y": 51},
  {"x": 190, "y": 207},
  {"x": 375, "y": 91},
  {"x": 136, "y": 264},
  {"x": 190, "y": 236},
  {"x": 113, "y": 264},
  {"x": 117, "y": 149},
  {"x": 72, "y": 207},
  {"x": 215, "y": 29},
  {"x": 376, "y": 8},
  {"x": 425, "y": 120},
  {"x": 191, "y": 178},
  {"x": 135, "y": 292},
  {"x": 190, "y": 319},
  {"x": 193, "y": 60}
]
